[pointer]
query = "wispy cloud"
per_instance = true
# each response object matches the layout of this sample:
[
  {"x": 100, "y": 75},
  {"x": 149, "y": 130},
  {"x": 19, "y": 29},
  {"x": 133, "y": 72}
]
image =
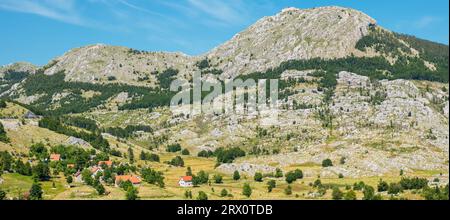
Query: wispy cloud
[
  {"x": 161, "y": 21},
  {"x": 61, "y": 10},
  {"x": 426, "y": 21},
  {"x": 229, "y": 12}
]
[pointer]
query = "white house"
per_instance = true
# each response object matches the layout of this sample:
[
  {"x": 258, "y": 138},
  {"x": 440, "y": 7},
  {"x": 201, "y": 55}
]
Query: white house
[{"x": 185, "y": 181}]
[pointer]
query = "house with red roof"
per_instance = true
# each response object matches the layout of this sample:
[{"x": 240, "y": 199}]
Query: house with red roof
[
  {"x": 135, "y": 180},
  {"x": 95, "y": 170},
  {"x": 185, "y": 181},
  {"x": 106, "y": 162},
  {"x": 55, "y": 157},
  {"x": 78, "y": 178}
]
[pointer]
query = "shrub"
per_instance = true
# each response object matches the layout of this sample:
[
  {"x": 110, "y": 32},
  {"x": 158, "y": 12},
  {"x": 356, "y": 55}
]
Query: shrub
[
  {"x": 185, "y": 152},
  {"x": 177, "y": 161},
  {"x": 247, "y": 190},
  {"x": 413, "y": 183},
  {"x": 350, "y": 195},
  {"x": 205, "y": 153},
  {"x": 236, "y": 175},
  {"x": 327, "y": 163},
  {"x": 337, "y": 193},
  {"x": 383, "y": 186},
  {"x": 223, "y": 193},
  {"x": 228, "y": 155},
  {"x": 202, "y": 196},
  {"x": 278, "y": 173},
  {"x": 218, "y": 179},
  {"x": 395, "y": 188},
  {"x": 288, "y": 190},
  {"x": 258, "y": 177},
  {"x": 173, "y": 148},
  {"x": 271, "y": 184},
  {"x": 368, "y": 192},
  {"x": 202, "y": 177}
]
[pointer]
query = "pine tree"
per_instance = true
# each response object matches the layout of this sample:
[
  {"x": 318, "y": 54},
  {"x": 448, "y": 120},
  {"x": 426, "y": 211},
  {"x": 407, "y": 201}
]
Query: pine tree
[
  {"x": 36, "y": 191},
  {"x": 247, "y": 190},
  {"x": 236, "y": 175},
  {"x": 130, "y": 155}
]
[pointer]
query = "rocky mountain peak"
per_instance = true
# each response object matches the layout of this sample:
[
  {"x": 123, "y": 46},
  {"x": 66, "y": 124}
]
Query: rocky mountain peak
[
  {"x": 327, "y": 32},
  {"x": 18, "y": 67}
]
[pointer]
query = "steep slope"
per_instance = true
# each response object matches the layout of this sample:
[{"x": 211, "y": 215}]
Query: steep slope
[{"x": 326, "y": 32}]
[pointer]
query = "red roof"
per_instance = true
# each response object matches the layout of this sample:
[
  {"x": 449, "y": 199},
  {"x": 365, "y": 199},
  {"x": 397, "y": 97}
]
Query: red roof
[
  {"x": 131, "y": 178},
  {"x": 107, "y": 162},
  {"x": 55, "y": 157},
  {"x": 187, "y": 178},
  {"x": 94, "y": 169}
]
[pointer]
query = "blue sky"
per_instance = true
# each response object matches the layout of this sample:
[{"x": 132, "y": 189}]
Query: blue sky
[{"x": 39, "y": 30}]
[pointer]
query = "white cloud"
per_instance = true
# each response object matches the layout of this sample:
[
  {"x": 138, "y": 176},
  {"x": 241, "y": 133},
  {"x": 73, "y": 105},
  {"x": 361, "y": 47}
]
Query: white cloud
[
  {"x": 61, "y": 10},
  {"x": 229, "y": 12},
  {"x": 425, "y": 21}
]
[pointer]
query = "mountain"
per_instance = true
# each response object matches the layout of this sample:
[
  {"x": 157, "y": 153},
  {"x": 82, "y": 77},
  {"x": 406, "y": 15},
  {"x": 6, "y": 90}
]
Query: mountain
[
  {"x": 374, "y": 102},
  {"x": 293, "y": 34}
]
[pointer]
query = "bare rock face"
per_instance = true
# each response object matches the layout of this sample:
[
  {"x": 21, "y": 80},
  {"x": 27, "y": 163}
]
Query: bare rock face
[
  {"x": 247, "y": 168},
  {"x": 101, "y": 63},
  {"x": 18, "y": 67},
  {"x": 77, "y": 142},
  {"x": 327, "y": 32}
]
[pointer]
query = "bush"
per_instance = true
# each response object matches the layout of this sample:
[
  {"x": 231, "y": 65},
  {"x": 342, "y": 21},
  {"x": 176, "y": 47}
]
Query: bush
[
  {"x": 223, "y": 193},
  {"x": 369, "y": 193},
  {"x": 278, "y": 173},
  {"x": 41, "y": 171},
  {"x": 236, "y": 175},
  {"x": 350, "y": 195},
  {"x": 153, "y": 177},
  {"x": 205, "y": 153},
  {"x": 149, "y": 157},
  {"x": 185, "y": 152},
  {"x": 383, "y": 186},
  {"x": 36, "y": 191},
  {"x": 3, "y": 137},
  {"x": 292, "y": 176},
  {"x": 436, "y": 193},
  {"x": 317, "y": 183},
  {"x": 132, "y": 193},
  {"x": 413, "y": 183},
  {"x": 247, "y": 190},
  {"x": 228, "y": 156},
  {"x": 218, "y": 179},
  {"x": 359, "y": 186},
  {"x": 298, "y": 174},
  {"x": 327, "y": 163},
  {"x": 202, "y": 196},
  {"x": 288, "y": 190},
  {"x": 271, "y": 184},
  {"x": 177, "y": 161},
  {"x": 188, "y": 194},
  {"x": 258, "y": 177},
  {"x": 395, "y": 188},
  {"x": 173, "y": 148},
  {"x": 2, "y": 103},
  {"x": 337, "y": 193},
  {"x": 99, "y": 187},
  {"x": 202, "y": 177}
]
